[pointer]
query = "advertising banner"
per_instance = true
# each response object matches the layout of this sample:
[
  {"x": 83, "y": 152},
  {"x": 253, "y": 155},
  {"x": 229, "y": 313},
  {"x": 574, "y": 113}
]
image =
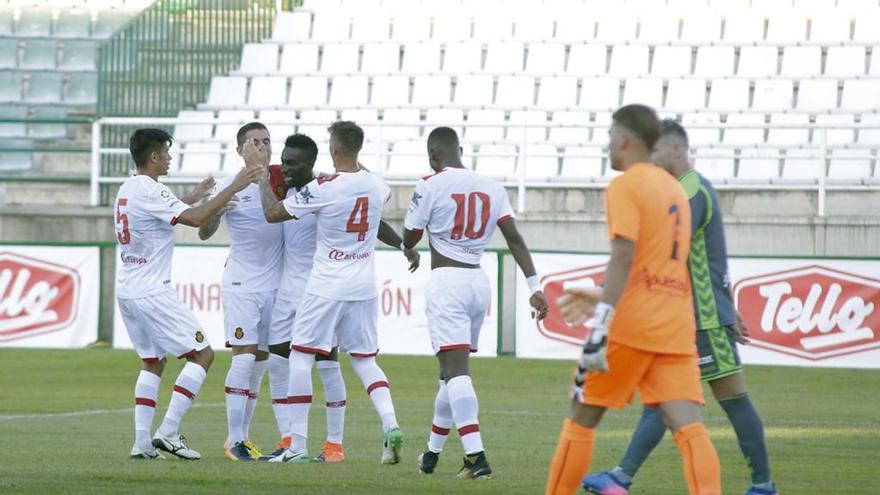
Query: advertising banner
[{"x": 49, "y": 296}]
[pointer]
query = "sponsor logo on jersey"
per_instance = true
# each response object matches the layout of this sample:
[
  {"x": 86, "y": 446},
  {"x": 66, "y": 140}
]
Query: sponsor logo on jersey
[
  {"x": 414, "y": 203},
  {"x": 36, "y": 296},
  {"x": 239, "y": 333},
  {"x": 303, "y": 196},
  {"x": 812, "y": 312},
  {"x": 200, "y": 337},
  {"x": 337, "y": 255},
  {"x": 553, "y": 326}
]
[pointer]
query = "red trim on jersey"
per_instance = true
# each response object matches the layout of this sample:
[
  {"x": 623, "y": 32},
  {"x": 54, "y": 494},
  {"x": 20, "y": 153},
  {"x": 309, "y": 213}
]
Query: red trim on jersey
[
  {"x": 468, "y": 429},
  {"x": 435, "y": 173},
  {"x": 505, "y": 217},
  {"x": 440, "y": 431},
  {"x": 150, "y": 360},
  {"x": 310, "y": 350},
  {"x": 362, "y": 356},
  {"x": 417, "y": 231},
  {"x": 339, "y": 403},
  {"x": 227, "y": 345},
  {"x": 280, "y": 401},
  {"x": 322, "y": 180},
  {"x": 141, "y": 401},
  {"x": 375, "y": 385},
  {"x": 237, "y": 391},
  {"x": 454, "y": 347},
  {"x": 182, "y": 391},
  {"x": 174, "y": 221},
  {"x": 299, "y": 399},
  {"x": 189, "y": 354},
  {"x": 252, "y": 395}
]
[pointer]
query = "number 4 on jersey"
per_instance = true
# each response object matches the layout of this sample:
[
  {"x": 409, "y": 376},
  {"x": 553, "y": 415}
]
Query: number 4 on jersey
[{"x": 357, "y": 221}]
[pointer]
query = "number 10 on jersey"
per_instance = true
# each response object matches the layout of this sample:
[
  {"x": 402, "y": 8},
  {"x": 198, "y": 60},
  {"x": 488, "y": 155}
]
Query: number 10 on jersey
[{"x": 469, "y": 229}]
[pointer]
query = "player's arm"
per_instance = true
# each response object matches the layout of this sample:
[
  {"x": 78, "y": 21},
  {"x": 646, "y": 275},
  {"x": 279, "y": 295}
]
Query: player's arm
[
  {"x": 199, "y": 192},
  {"x": 388, "y": 236},
  {"x": 417, "y": 215},
  {"x": 273, "y": 210},
  {"x": 523, "y": 258},
  {"x": 198, "y": 215}
]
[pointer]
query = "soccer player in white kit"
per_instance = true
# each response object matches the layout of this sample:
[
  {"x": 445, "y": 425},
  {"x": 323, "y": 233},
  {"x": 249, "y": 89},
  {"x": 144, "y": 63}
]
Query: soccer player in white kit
[
  {"x": 340, "y": 301},
  {"x": 157, "y": 322},
  {"x": 460, "y": 210},
  {"x": 250, "y": 278}
]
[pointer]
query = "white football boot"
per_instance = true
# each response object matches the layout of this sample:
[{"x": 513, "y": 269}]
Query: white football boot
[
  {"x": 175, "y": 445},
  {"x": 291, "y": 456},
  {"x": 150, "y": 454}
]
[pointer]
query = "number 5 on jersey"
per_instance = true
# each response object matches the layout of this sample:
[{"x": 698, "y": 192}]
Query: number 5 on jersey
[
  {"x": 122, "y": 234},
  {"x": 357, "y": 221}
]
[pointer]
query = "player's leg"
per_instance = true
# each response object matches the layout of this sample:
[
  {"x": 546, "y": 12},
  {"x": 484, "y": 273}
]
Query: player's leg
[
  {"x": 241, "y": 317},
  {"x": 721, "y": 367},
  {"x": 261, "y": 364},
  {"x": 283, "y": 313},
  {"x": 441, "y": 425},
  {"x": 335, "y": 397}
]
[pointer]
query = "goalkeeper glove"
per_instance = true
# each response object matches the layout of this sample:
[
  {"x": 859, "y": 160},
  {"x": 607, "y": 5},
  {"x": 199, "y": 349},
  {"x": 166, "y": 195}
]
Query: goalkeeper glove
[{"x": 593, "y": 354}]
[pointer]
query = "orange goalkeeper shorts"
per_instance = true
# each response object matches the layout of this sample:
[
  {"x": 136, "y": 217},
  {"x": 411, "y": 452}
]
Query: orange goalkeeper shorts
[{"x": 657, "y": 377}]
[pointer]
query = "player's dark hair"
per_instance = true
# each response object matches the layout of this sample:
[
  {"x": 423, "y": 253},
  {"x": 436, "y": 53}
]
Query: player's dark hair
[
  {"x": 242, "y": 132},
  {"x": 302, "y": 142},
  {"x": 443, "y": 137},
  {"x": 641, "y": 120},
  {"x": 349, "y": 137},
  {"x": 673, "y": 128},
  {"x": 145, "y": 141}
]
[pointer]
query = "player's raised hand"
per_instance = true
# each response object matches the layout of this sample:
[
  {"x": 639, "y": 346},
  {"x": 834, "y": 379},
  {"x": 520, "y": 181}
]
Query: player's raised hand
[
  {"x": 203, "y": 188},
  {"x": 247, "y": 176},
  {"x": 538, "y": 301},
  {"x": 255, "y": 153},
  {"x": 740, "y": 330},
  {"x": 578, "y": 304},
  {"x": 414, "y": 258}
]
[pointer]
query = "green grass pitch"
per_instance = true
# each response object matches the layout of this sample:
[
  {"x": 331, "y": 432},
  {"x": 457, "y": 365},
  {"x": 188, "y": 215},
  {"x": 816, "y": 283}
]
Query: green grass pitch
[{"x": 823, "y": 431}]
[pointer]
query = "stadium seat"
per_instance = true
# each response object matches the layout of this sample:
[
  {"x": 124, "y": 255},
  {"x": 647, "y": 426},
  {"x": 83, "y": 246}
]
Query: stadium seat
[
  {"x": 108, "y": 22},
  {"x": 34, "y": 21},
  {"x": 644, "y": 91},
  {"x": 700, "y": 27},
  {"x": 410, "y": 28},
  {"x": 193, "y": 132},
  {"x": 8, "y": 53},
  {"x": 749, "y": 136},
  {"x": 601, "y": 126},
  {"x": 860, "y": 94},
  {"x": 729, "y": 94},
  {"x": 259, "y": 58},
  {"x": 869, "y": 130},
  {"x": 330, "y": 28},
  {"x": 744, "y": 27},
  {"x": 758, "y": 165},
  {"x": 374, "y": 155},
  {"x": 407, "y": 116},
  {"x": 575, "y": 28},
  {"x": 365, "y": 117},
  {"x": 381, "y": 58},
  {"x": 557, "y": 92},
  {"x": 299, "y": 58},
  {"x": 13, "y": 129},
  {"x": 773, "y": 95},
  {"x": 407, "y": 160},
  {"x": 707, "y": 136},
  {"x": 545, "y": 58},
  {"x": 498, "y": 161},
  {"x": 234, "y": 119},
  {"x": 39, "y": 54},
  {"x": 793, "y": 136},
  {"x": 431, "y": 90},
  {"x": 849, "y": 164},
  {"x": 307, "y": 91},
  {"x": 474, "y": 90},
  {"x": 569, "y": 135},
  {"x": 47, "y": 130},
  {"x": 267, "y": 91},
  {"x": 7, "y": 22},
  {"x": 314, "y": 123},
  {"x": 661, "y": 28},
  {"x": 875, "y": 62},
  {"x": 389, "y": 91},
  {"x": 10, "y": 86},
  {"x": 201, "y": 159},
  {"x": 370, "y": 27},
  {"x": 757, "y": 61},
  {"x": 78, "y": 55},
  {"x": 817, "y": 95},
  {"x": 349, "y": 91},
  {"x": 830, "y": 28},
  {"x": 532, "y": 134},
  {"x": 801, "y": 61},
  {"x": 292, "y": 26},
  {"x": 715, "y": 164},
  {"x": 835, "y": 136},
  {"x": 227, "y": 91},
  {"x": 714, "y": 61},
  {"x": 463, "y": 58},
  {"x": 479, "y": 134},
  {"x": 73, "y": 23},
  {"x": 600, "y": 93},
  {"x": 846, "y": 61},
  {"x": 686, "y": 94},
  {"x": 505, "y": 57},
  {"x": 533, "y": 27},
  {"x": 515, "y": 91},
  {"x": 582, "y": 163},
  {"x": 452, "y": 27},
  {"x": 450, "y": 117},
  {"x": 421, "y": 58},
  {"x": 866, "y": 27},
  {"x": 628, "y": 60},
  {"x": 15, "y": 154},
  {"x": 587, "y": 60},
  {"x": 616, "y": 28},
  {"x": 45, "y": 87},
  {"x": 802, "y": 165},
  {"x": 493, "y": 28},
  {"x": 340, "y": 58},
  {"x": 541, "y": 162},
  {"x": 787, "y": 27},
  {"x": 671, "y": 61}
]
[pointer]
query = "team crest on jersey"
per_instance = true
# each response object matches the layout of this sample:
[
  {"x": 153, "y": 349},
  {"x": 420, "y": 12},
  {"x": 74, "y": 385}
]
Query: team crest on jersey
[
  {"x": 200, "y": 337},
  {"x": 415, "y": 199},
  {"x": 239, "y": 333},
  {"x": 304, "y": 196},
  {"x": 165, "y": 194}
]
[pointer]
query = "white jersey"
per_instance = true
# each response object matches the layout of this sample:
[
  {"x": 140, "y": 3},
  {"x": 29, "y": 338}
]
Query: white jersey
[
  {"x": 348, "y": 207},
  {"x": 460, "y": 210},
  {"x": 145, "y": 213},
  {"x": 300, "y": 242},
  {"x": 255, "y": 245}
]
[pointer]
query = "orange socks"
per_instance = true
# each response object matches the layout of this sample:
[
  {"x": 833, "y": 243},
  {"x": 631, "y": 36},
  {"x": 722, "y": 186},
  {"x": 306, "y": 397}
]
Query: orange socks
[
  {"x": 572, "y": 458},
  {"x": 702, "y": 469}
]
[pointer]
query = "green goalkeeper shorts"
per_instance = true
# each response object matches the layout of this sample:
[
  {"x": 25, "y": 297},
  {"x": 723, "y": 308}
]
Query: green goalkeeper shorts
[{"x": 718, "y": 354}]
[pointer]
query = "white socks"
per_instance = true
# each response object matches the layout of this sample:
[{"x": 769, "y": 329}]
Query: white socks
[
  {"x": 334, "y": 394},
  {"x": 146, "y": 393},
  {"x": 463, "y": 401},
  {"x": 442, "y": 422},
  {"x": 256, "y": 381},
  {"x": 237, "y": 382},
  {"x": 279, "y": 376},
  {"x": 187, "y": 386},
  {"x": 299, "y": 396},
  {"x": 377, "y": 388}
]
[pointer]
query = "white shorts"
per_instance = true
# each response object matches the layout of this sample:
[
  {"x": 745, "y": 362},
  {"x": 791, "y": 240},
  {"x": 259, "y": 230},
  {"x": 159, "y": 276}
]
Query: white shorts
[
  {"x": 246, "y": 318},
  {"x": 457, "y": 300},
  {"x": 322, "y": 323},
  {"x": 161, "y": 324},
  {"x": 281, "y": 326}
]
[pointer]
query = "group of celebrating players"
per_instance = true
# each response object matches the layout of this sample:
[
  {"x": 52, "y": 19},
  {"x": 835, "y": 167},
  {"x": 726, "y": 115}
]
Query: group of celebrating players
[{"x": 299, "y": 287}]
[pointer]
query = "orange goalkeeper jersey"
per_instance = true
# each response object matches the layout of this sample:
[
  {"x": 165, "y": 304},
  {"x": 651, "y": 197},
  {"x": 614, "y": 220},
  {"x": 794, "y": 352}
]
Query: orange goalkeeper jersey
[{"x": 655, "y": 313}]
